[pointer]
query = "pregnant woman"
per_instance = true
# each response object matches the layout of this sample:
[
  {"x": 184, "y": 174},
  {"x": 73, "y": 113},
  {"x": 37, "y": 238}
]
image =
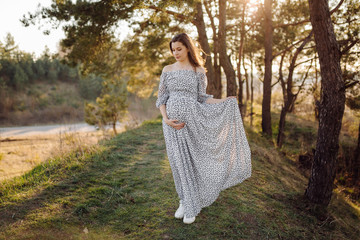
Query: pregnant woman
[{"x": 205, "y": 139}]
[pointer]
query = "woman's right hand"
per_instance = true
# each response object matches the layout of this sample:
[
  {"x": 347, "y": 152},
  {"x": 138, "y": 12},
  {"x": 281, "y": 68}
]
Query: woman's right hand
[{"x": 172, "y": 123}]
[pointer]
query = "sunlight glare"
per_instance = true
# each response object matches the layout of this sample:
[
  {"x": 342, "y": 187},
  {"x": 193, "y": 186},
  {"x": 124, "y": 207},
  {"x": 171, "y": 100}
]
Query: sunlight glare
[{"x": 253, "y": 5}]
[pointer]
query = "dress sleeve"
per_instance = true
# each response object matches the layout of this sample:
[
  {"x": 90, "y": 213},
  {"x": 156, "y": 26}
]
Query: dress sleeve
[
  {"x": 163, "y": 93},
  {"x": 202, "y": 96}
]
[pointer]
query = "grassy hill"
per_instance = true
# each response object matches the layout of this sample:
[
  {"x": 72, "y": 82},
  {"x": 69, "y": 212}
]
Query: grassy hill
[
  {"x": 62, "y": 102},
  {"x": 123, "y": 189},
  {"x": 43, "y": 103}
]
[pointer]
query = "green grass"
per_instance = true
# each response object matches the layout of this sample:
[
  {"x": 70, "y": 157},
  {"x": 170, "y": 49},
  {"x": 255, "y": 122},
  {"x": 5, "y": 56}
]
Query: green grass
[{"x": 123, "y": 189}]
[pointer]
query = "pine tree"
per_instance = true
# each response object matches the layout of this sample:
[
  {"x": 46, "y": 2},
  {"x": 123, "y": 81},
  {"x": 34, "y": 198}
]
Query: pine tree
[{"x": 111, "y": 105}]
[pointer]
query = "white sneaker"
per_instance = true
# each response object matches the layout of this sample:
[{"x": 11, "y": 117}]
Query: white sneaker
[
  {"x": 180, "y": 212},
  {"x": 188, "y": 220}
]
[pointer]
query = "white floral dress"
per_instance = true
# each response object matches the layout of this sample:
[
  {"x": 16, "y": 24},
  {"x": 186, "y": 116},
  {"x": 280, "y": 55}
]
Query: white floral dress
[{"x": 211, "y": 152}]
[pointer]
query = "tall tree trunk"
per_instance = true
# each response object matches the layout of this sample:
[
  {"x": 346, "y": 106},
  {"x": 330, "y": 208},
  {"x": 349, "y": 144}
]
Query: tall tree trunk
[
  {"x": 315, "y": 96},
  {"x": 241, "y": 86},
  {"x": 114, "y": 124},
  {"x": 231, "y": 88},
  {"x": 266, "y": 103},
  {"x": 217, "y": 70},
  {"x": 281, "y": 127},
  {"x": 289, "y": 96},
  {"x": 204, "y": 42},
  {"x": 240, "y": 56},
  {"x": 251, "y": 90},
  {"x": 246, "y": 86},
  {"x": 332, "y": 104},
  {"x": 246, "y": 81}
]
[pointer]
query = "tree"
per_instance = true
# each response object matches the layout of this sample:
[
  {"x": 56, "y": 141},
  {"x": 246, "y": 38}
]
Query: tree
[
  {"x": 231, "y": 88},
  {"x": 214, "y": 84},
  {"x": 288, "y": 87},
  {"x": 19, "y": 79},
  {"x": 90, "y": 86},
  {"x": 111, "y": 105},
  {"x": 332, "y": 103},
  {"x": 90, "y": 38},
  {"x": 8, "y": 48},
  {"x": 266, "y": 102}
]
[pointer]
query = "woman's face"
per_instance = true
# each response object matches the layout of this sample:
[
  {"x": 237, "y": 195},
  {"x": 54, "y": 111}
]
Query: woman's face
[{"x": 179, "y": 51}]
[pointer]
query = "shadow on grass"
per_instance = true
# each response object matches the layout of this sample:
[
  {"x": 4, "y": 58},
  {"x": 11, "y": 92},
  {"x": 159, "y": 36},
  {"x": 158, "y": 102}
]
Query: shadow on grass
[
  {"x": 88, "y": 191},
  {"x": 126, "y": 190}
]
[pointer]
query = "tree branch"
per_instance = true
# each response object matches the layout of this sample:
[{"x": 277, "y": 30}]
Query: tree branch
[
  {"x": 304, "y": 79},
  {"x": 289, "y": 47},
  {"x": 337, "y": 7},
  {"x": 347, "y": 48},
  {"x": 308, "y": 20},
  {"x": 310, "y": 59},
  {"x": 175, "y": 14},
  {"x": 349, "y": 85},
  {"x": 275, "y": 83},
  {"x": 292, "y": 24},
  {"x": 281, "y": 77},
  {"x": 253, "y": 25},
  {"x": 207, "y": 9}
]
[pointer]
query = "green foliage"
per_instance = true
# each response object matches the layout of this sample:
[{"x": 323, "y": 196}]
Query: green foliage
[
  {"x": 52, "y": 75},
  {"x": 20, "y": 78},
  {"x": 110, "y": 106},
  {"x": 39, "y": 69},
  {"x": 91, "y": 39},
  {"x": 18, "y": 70},
  {"x": 93, "y": 29},
  {"x": 90, "y": 86}
]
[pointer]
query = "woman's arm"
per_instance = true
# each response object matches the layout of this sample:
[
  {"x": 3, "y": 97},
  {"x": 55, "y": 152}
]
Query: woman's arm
[
  {"x": 202, "y": 95},
  {"x": 171, "y": 122},
  {"x": 163, "y": 111}
]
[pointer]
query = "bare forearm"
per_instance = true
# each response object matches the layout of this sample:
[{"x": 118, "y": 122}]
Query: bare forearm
[{"x": 163, "y": 111}]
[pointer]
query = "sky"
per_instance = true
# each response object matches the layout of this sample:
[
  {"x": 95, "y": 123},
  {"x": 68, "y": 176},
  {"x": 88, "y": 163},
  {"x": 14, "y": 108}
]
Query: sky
[{"x": 31, "y": 39}]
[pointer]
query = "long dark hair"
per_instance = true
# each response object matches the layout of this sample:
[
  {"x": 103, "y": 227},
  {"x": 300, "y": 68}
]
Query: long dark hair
[{"x": 194, "y": 52}]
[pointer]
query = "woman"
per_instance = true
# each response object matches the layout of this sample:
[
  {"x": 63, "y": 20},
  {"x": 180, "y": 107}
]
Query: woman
[{"x": 205, "y": 138}]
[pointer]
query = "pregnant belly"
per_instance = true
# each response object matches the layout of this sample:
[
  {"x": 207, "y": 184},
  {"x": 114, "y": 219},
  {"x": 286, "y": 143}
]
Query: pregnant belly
[{"x": 179, "y": 108}]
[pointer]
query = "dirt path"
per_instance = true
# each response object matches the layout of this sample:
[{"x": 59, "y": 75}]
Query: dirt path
[
  {"x": 22, "y": 148},
  {"x": 45, "y": 129}
]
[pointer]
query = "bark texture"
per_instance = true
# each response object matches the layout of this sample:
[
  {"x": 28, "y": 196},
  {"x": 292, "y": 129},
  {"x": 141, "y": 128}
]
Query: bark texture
[
  {"x": 240, "y": 60},
  {"x": 266, "y": 102},
  {"x": 204, "y": 42},
  {"x": 231, "y": 87},
  {"x": 251, "y": 89},
  {"x": 332, "y": 104},
  {"x": 217, "y": 70},
  {"x": 287, "y": 89}
]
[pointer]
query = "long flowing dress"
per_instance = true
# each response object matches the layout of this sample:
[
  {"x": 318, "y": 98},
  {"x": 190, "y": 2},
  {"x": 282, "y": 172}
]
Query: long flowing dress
[{"x": 211, "y": 152}]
